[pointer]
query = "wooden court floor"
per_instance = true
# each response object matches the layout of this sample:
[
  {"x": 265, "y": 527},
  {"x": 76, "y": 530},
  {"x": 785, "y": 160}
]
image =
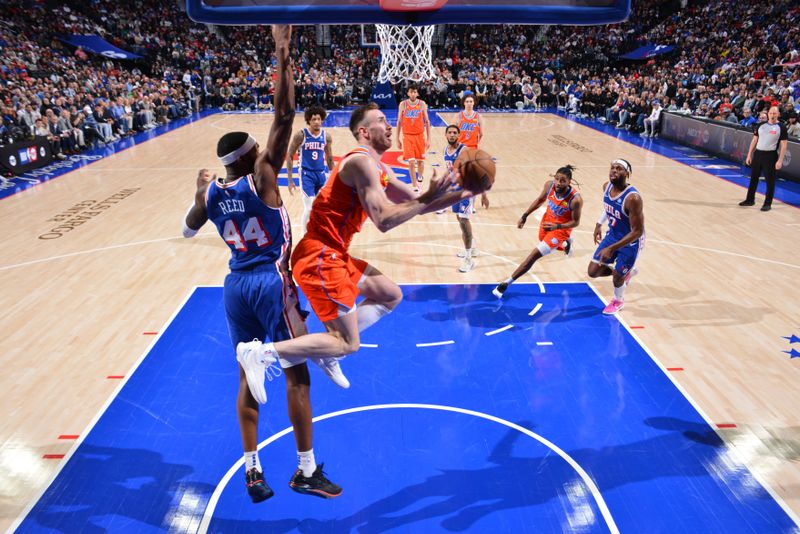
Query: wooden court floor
[{"x": 718, "y": 286}]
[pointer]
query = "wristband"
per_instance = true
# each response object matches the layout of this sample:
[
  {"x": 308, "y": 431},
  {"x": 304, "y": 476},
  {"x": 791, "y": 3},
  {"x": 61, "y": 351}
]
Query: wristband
[
  {"x": 603, "y": 219},
  {"x": 188, "y": 232}
]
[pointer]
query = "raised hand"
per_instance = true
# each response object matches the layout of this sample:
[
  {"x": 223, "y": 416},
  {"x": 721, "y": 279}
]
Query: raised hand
[{"x": 204, "y": 177}]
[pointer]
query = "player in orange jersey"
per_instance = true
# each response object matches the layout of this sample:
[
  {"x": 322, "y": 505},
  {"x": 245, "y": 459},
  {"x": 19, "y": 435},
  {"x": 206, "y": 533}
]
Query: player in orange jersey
[
  {"x": 412, "y": 120},
  {"x": 470, "y": 123},
  {"x": 360, "y": 187},
  {"x": 563, "y": 214}
]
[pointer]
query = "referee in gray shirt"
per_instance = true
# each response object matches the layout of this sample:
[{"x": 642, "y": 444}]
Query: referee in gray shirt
[{"x": 766, "y": 156}]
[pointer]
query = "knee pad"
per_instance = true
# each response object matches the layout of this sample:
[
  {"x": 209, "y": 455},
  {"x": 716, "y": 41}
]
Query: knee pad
[{"x": 544, "y": 248}]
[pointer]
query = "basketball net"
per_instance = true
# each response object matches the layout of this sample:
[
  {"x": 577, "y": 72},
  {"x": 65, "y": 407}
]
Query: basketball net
[{"x": 405, "y": 53}]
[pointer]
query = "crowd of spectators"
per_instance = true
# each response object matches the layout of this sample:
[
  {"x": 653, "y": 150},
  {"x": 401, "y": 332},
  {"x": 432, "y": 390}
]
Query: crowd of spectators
[{"x": 732, "y": 60}]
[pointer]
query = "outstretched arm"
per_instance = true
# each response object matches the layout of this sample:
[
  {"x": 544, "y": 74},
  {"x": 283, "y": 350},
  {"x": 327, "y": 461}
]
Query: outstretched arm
[
  {"x": 280, "y": 131},
  {"x": 535, "y": 204},
  {"x": 360, "y": 172},
  {"x": 399, "y": 192}
]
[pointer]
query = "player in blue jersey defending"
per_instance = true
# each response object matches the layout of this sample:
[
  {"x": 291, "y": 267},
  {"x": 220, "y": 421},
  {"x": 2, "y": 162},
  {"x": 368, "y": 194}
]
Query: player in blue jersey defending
[
  {"x": 260, "y": 297},
  {"x": 316, "y": 158},
  {"x": 463, "y": 209},
  {"x": 618, "y": 252}
]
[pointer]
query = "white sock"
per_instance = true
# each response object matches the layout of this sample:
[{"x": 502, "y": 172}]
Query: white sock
[
  {"x": 304, "y": 220},
  {"x": 251, "y": 460},
  {"x": 467, "y": 253},
  {"x": 306, "y": 463},
  {"x": 307, "y": 203},
  {"x": 369, "y": 314},
  {"x": 509, "y": 281},
  {"x": 619, "y": 291}
]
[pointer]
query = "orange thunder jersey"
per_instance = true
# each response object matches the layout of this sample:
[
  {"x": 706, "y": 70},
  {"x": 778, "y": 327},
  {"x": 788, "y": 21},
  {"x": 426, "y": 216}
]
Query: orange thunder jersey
[
  {"x": 337, "y": 214},
  {"x": 559, "y": 210},
  {"x": 413, "y": 119},
  {"x": 470, "y": 129}
]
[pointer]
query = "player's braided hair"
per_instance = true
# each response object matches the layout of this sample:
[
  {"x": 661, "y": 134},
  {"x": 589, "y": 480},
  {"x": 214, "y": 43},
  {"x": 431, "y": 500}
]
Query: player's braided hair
[{"x": 566, "y": 170}]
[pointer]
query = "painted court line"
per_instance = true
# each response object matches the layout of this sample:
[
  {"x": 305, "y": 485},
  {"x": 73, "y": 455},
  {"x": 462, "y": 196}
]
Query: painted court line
[
  {"x": 483, "y": 252},
  {"x": 369, "y": 345},
  {"x": 503, "y": 329},
  {"x": 534, "y": 310},
  {"x": 777, "y": 498},
  {"x": 18, "y": 521},
  {"x": 436, "y": 343},
  {"x": 544, "y": 343},
  {"x": 538, "y": 281},
  {"x": 208, "y": 514}
]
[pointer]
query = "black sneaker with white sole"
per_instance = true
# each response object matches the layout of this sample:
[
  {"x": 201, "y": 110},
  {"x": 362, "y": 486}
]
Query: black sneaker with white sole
[
  {"x": 317, "y": 484},
  {"x": 256, "y": 487}
]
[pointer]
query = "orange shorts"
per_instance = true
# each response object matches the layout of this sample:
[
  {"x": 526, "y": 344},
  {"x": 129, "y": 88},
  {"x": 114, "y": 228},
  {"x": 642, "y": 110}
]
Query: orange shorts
[
  {"x": 328, "y": 278},
  {"x": 413, "y": 146},
  {"x": 554, "y": 238}
]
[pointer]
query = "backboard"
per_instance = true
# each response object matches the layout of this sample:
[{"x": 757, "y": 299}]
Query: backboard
[{"x": 417, "y": 12}]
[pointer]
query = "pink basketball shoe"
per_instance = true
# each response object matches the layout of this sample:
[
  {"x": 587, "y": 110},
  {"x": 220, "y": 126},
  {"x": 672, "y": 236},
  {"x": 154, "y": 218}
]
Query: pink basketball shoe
[{"x": 613, "y": 307}]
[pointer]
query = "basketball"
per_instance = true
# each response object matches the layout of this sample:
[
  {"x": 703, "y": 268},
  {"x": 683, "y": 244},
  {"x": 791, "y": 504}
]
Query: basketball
[{"x": 477, "y": 170}]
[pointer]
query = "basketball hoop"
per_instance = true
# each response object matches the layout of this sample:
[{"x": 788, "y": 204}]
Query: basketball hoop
[{"x": 405, "y": 53}]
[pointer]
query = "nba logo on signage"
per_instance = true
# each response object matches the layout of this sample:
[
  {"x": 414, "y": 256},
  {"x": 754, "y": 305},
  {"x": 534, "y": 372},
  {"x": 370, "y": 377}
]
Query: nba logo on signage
[{"x": 32, "y": 153}]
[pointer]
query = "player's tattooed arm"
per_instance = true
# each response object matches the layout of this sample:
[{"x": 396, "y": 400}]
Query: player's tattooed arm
[{"x": 297, "y": 140}]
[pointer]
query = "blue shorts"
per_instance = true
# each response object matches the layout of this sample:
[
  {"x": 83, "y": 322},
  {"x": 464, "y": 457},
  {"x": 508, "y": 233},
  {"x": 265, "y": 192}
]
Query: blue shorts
[
  {"x": 262, "y": 304},
  {"x": 622, "y": 260},
  {"x": 463, "y": 208},
  {"x": 312, "y": 181}
]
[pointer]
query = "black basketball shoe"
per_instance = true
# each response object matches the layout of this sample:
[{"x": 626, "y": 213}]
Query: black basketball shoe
[
  {"x": 317, "y": 484},
  {"x": 256, "y": 487}
]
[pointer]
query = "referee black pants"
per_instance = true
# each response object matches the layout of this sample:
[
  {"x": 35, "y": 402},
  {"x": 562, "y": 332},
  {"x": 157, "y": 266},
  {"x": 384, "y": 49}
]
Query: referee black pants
[{"x": 763, "y": 162}]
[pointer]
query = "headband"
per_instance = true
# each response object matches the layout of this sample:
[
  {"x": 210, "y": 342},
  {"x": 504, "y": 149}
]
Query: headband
[
  {"x": 231, "y": 157},
  {"x": 625, "y": 164}
]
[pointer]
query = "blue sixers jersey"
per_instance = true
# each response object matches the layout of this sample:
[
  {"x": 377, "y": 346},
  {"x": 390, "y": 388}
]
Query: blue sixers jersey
[
  {"x": 450, "y": 159},
  {"x": 255, "y": 233},
  {"x": 619, "y": 224},
  {"x": 312, "y": 151}
]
